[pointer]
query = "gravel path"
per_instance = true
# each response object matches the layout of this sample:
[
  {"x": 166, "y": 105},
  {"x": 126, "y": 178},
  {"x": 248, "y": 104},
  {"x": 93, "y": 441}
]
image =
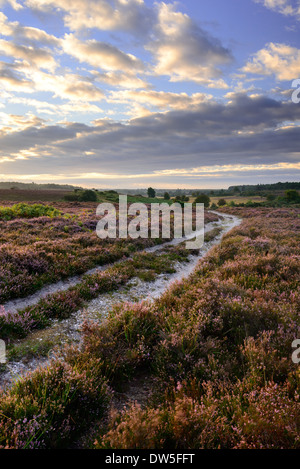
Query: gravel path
[{"x": 136, "y": 290}]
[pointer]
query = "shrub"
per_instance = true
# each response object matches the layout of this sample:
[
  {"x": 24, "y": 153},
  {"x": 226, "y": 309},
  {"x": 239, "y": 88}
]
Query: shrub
[
  {"x": 88, "y": 196},
  {"x": 222, "y": 202},
  {"x": 202, "y": 199}
]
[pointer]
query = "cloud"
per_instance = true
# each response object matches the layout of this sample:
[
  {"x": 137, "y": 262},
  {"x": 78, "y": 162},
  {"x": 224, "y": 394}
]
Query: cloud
[
  {"x": 119, "y": 79},
  {"x": 13, "y": 3},
  {"x": 279, "y": 59},
  {"x": 132, "y": 16},
  {"x": 145, "y": 102},
  {"x": 12, "y": 80},
  {"x": 26, "y": 34},
  {"x": 34, "y": 56},
  {"x": 27, "y": 73},
  {"x": 13, "y": 122},
  {"x": 285, "y": 7},
  {"x": 245, "y": 131},
  {"x": 52, "y": 109},
  {"x": 100, "y": 54},
  {"x": 69, "y": 86},
  {"x": 185, "y": 52},
  {"x": 23, "y": 77},
  {"x": 26, "y": 44}
]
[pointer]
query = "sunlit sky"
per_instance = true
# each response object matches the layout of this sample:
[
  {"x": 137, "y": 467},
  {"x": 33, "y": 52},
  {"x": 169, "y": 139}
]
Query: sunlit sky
[{"x": 132, "y": 93}]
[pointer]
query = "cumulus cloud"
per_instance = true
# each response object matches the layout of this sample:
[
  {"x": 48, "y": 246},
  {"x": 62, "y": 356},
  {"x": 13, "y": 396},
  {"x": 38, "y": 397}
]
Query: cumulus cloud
[
  {"x": 52, "y": 109},
  {"x": 184, "y": 51},
  {"x": 68, "y": 86},
  {"x": 34, "y": 56},
  {"x": 26, "y": 34},
  {"x": 144, "y": 102},
  {"x": 118, "y": 79},
  {"x": 13, "y": 122},
  {"x": 132, "y": 16},
  {"x": 22, "y": 76},
  {"x": 13, "y": 3},
  {"x": 12, "y": 80},
  {"x": 279, "y": 59},
  {"x": 100, "y": 54},
  {"x": 285, "y": 7},
  {"x": 28, "y": 44}
]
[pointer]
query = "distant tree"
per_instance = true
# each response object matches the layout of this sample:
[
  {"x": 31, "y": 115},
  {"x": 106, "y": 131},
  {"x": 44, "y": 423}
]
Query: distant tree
[
  {"x": 222, "y": 202},
  {"x": 166, "y": 196},
  {"x": 151, "y": 193},
  {"x": 182, "y": 198},
  {"x": 271, "y": 197},
  {"x": 236, "y": 189},
  {"x": 203, "y": 199}
]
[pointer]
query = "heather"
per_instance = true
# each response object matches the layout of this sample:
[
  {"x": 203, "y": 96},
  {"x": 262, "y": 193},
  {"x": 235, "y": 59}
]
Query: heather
[
  {"x": 218, "y": 346},
  {"x": 213, "y": 416},
  {"x": 52, "y": 405},
  {"x": 221, "y": 351},
  {"x": 62, "y": 304},
  {"x": 45, "y": 249}
]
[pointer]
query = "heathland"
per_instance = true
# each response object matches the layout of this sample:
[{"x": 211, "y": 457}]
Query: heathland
[{"x": 207, "y": 364}]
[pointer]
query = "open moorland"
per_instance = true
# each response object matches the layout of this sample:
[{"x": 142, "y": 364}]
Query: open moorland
[{"x": 204, "y": 363}]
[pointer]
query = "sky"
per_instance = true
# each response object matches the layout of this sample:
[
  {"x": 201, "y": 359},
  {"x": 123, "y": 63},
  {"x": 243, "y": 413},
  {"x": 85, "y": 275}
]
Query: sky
[{"x": 132, "y": 93}]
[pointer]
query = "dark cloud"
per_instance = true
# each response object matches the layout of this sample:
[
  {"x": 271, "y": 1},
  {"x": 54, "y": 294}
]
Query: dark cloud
[{"x": 247, "y": 131}]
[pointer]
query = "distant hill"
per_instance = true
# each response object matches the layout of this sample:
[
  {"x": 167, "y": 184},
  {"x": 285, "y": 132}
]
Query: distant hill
[{"x": 36, "y": 187}]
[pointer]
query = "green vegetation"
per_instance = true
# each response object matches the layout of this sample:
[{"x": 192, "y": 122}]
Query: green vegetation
[{"x": 23, "y": 210}]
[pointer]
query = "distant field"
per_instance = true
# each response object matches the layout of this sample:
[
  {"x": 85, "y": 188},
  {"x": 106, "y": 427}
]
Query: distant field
[
  {"x": 238, "y": 199},
  {"x": 52, "y": 195},
  {"x": 19, "y": 195}
]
